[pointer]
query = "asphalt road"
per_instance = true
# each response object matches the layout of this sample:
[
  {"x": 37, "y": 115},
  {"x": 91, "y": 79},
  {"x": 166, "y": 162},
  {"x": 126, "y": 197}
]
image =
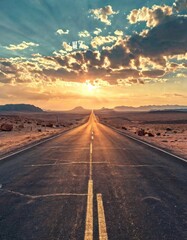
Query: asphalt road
[{"x": 93, "y": 183}]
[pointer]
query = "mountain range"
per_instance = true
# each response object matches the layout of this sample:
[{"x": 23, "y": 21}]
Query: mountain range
[
  {"x": 149, "y": 108},
  {"x": 146, "y": 108},
  {"x": 19, "y": 108},
  {"x": 79, "y": 109}
]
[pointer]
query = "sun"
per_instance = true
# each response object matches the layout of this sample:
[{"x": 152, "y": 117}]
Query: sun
[{"x": 90, "y": 87}]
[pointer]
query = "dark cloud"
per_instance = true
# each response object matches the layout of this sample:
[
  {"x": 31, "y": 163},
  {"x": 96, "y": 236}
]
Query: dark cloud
[
  {"x": 180, "y": 5},
  {"x": 4, "y": 78},
  {"x": 166, "y": 39},
  {"x": 125, "y": 73},
  {"x": 92, "y": 57},
  {"x": 61, "y": 73},
  {"x": 7, "y": 67},
  {"x": 118, "y": 55},
  {"x": 153, "y": 73}
]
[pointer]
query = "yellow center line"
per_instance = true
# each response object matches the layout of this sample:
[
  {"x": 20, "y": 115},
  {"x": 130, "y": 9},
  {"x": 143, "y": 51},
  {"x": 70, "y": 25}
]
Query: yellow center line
[
  {"x": 101, "y": 219},
  {"x": 91, "y": 151},
  {"x": 89, "y": 213}
]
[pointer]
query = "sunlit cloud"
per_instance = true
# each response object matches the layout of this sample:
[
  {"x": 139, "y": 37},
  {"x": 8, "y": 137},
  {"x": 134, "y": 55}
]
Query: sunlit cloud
[
  {"x": 84, "y": 34},
  {"x": 21, "y": 46},
  {"x": 62, "y": 32},
  {"x": 97, "y": 31},
  {"x": 67, "y": 47},
  {"x": 103, "y": 14},
  {"x": 118, "y": 33},
  {"x": 152, "y": 16},
  {"x": 101, "y": 40}
]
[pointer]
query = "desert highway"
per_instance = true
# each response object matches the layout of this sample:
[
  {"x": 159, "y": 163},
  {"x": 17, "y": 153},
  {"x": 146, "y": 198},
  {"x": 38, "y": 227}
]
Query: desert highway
[{"x": 93, "y": 183}]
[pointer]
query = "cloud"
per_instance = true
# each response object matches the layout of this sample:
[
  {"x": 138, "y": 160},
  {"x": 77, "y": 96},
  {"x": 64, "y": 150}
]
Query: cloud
[
  {"x": 153, "y": 73},
  {"x": 67, "y": 47},
  {"x": 101, "y": 40},
  {"x": 139, "y": 58},
  {"x": 171, "y": 95},
  {"x": 181, "y": 75},
  {"x": 118, "y": 33},
  {"x": 118, "y": 55},
  {"x": 7, "y": 67},
  {"x": 4, "y": 78},
  {"x": 21, "y": 46},
  {"x": 84, "y": 34},
  {"x": 36, "y": 55},
  {"x": 162, "y": 40},
  {"x": 152, "y": 16},
  {"x": 103, "y": 14},
  {"x": 124, "y": 73},
  {"x": 97, "y": 31},
  {"x": 129, "y": 81},
  {"x": 62, "y": 32},
  {"x": 82, "y": 45},
  {"x": 180, "y": 5}
]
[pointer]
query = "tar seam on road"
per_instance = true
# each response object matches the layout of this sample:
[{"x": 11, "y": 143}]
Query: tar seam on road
[
  {"x": 66, "y": 163},
  {"x": 42, "y": 196},
  {"x": 101, "y": 219}
]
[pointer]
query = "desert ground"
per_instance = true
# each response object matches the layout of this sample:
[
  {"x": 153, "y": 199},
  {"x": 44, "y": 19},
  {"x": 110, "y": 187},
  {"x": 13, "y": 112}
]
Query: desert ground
[
  {"x": 21, "y": 129},
  {"x": 164, "y": 129}
]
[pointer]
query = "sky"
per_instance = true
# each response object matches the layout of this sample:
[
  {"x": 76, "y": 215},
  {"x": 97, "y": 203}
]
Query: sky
[{"x": 93, "y": 53}]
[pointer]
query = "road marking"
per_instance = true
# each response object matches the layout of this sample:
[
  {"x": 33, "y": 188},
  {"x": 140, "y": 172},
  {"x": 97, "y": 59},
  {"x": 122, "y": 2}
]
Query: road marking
[
  {"x": 91, "y": 151},
  {"x": 89, "y": 213},
  {"x": 92, "y": 137},
  {"x": 91, "y": 148},
  {"x": 101, "y": 219}
]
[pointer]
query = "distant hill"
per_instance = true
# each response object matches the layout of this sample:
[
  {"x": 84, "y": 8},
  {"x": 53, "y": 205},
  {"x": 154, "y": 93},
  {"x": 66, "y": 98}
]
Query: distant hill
[
  {"x": 19, "y": 108},
  {"x": 105, "y": 109},
  {"x": 80, "y": 109},
  {"x": 170, "y": 110},
  {"x": 150, "y": 108}
]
